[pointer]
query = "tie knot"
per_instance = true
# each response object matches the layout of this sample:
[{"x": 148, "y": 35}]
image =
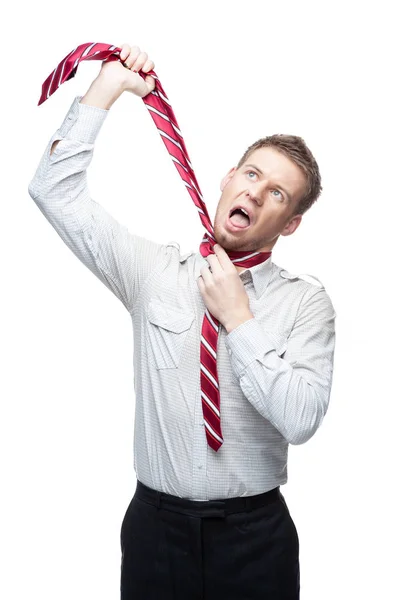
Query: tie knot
[{"x": 239, "y": 258}]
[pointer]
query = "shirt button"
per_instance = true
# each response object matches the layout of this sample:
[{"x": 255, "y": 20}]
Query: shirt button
[{"x": 200, "y": 466}]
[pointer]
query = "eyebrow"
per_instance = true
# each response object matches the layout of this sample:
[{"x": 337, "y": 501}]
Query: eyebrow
[{"x": 278, "y": 186}]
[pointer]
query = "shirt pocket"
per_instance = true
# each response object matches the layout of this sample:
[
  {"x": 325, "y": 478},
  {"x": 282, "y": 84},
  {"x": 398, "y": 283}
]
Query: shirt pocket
[{"x": 166, "y": 332}]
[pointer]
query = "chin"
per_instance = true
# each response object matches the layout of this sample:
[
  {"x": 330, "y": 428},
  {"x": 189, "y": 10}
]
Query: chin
[
  {"x": 222, "y": 238},
  {"x": 229, "y": 242}
]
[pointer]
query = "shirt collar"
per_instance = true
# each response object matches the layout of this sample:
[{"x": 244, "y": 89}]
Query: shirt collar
[{"x": 259, "y": 274}]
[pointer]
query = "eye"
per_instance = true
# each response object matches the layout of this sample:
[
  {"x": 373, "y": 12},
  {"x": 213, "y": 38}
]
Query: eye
[
  {"x": 251, "y": 173},
  {"x": 277, "y": 194}
]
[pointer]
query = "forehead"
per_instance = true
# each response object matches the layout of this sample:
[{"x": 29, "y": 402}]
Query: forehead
[{"x": 276, "y": 165}]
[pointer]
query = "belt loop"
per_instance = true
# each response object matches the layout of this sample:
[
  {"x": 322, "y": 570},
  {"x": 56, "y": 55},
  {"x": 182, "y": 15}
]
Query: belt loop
[
  {"x": 158, "y": 500},
  {"x": 248, "y": 504}
]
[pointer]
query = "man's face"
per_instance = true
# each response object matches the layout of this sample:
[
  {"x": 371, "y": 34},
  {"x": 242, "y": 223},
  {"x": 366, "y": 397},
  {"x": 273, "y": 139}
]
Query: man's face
[{"x": 268, "y": 186}]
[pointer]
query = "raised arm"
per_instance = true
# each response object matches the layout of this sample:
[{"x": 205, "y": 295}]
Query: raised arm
[{"x": 121, "y": 260}]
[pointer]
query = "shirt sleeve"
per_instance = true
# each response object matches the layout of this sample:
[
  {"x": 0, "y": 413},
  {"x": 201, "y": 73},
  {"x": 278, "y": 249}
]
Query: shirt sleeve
[
  {"x": 291, "y": 385},
  {"x": 120, "y": 259}
]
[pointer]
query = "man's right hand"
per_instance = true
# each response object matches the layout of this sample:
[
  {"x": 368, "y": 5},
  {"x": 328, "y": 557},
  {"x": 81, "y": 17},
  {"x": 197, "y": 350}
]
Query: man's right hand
[{"x": 127, "y": 76}]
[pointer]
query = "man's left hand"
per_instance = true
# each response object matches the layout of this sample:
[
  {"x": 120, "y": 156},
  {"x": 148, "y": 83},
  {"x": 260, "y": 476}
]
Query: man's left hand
[{"x": 223, "y": 291}]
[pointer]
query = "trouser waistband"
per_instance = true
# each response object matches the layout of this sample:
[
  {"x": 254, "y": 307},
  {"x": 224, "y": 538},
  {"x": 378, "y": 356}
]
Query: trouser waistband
[{"x": 207, "y": 508}]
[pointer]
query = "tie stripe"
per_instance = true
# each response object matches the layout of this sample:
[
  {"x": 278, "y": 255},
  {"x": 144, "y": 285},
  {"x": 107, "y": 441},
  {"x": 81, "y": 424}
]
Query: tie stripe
[
  {"x": 208, "y": 347},
  {"x": 165, "y": 121}
]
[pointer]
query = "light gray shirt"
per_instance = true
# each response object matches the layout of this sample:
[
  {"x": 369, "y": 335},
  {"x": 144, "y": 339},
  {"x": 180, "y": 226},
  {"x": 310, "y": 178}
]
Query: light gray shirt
[{"x": 275, "y": 370}]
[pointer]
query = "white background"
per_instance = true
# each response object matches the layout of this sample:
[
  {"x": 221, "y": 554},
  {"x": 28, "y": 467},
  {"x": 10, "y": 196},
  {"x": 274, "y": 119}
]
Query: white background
[{"x": 234, "y": 72}]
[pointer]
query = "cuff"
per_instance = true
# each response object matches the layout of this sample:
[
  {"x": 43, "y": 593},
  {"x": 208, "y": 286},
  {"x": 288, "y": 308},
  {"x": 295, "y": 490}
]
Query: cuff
[
  {"x": 248, "y": 342},
  {"x": 83, "y": 122}
]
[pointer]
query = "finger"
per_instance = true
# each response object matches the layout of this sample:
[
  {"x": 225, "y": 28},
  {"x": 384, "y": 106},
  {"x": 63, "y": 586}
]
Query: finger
[
  {"x": 148, "y": 66},
  {"x": 132, "y": 56},
  {"x": 201, "y": 285},
  {"x": 215, "y": 265},
  {"x": 206, "y": 275},
  {"x": 150, "y": 81},
  {"x": 124, "y": 53},
  {"x": 140, "y": 61},
  {"x": 223, "y": 257}
]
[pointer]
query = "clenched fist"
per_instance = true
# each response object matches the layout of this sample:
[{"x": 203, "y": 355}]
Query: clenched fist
[{"x": 134, "y": 60}]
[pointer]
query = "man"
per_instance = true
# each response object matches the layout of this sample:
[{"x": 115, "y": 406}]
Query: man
[{"x": 205, "y": 523}]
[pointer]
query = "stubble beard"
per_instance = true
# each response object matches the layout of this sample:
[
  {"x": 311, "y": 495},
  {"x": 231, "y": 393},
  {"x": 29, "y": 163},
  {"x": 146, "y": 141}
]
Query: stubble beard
[{"x": 233, "y": 244}]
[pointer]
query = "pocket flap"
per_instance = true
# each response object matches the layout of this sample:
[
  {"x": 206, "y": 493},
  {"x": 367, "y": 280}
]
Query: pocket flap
[{"x": 168, "y": 317}]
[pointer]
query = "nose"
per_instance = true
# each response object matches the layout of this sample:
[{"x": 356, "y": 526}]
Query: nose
[
  {"x": 253, "y": 197},
  {"x": 258, "y": 191}
]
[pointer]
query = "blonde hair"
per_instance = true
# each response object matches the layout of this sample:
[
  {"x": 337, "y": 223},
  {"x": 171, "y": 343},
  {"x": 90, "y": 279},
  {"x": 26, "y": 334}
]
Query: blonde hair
[{"x": 294, "y": 148}]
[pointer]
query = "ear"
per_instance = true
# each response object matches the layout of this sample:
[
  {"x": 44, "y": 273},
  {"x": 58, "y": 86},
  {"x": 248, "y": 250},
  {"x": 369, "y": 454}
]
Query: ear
[
  {"x": 227, "y": 178},
  {"x": 292, "y": 225}
]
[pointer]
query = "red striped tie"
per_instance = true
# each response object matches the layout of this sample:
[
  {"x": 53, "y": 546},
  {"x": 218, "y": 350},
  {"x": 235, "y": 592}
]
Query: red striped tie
[{"x": 161, "y": 111}]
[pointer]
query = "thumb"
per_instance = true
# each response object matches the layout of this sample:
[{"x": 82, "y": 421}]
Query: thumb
[{"x": 150, "y": 81}]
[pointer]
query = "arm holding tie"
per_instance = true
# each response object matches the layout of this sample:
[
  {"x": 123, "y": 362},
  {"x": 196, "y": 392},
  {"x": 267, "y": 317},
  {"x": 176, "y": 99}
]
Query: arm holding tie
[{"x": 291, "y": 392}]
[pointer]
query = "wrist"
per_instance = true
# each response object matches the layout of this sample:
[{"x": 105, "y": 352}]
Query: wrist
[
  {"x": 103, "y": 93},
  {"x": 235, "y": 320}
]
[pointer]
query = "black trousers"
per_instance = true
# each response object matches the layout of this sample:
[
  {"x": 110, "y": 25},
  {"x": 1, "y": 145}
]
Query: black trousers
[{"x": 178, "y": 549}]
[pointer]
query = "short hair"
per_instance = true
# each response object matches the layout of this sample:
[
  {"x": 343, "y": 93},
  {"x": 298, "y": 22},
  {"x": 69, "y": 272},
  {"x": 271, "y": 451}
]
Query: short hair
[{"x": 294, "y": 148}]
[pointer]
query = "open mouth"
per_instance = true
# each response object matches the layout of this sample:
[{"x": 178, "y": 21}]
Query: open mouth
[{"x": 239, "y": 218}]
